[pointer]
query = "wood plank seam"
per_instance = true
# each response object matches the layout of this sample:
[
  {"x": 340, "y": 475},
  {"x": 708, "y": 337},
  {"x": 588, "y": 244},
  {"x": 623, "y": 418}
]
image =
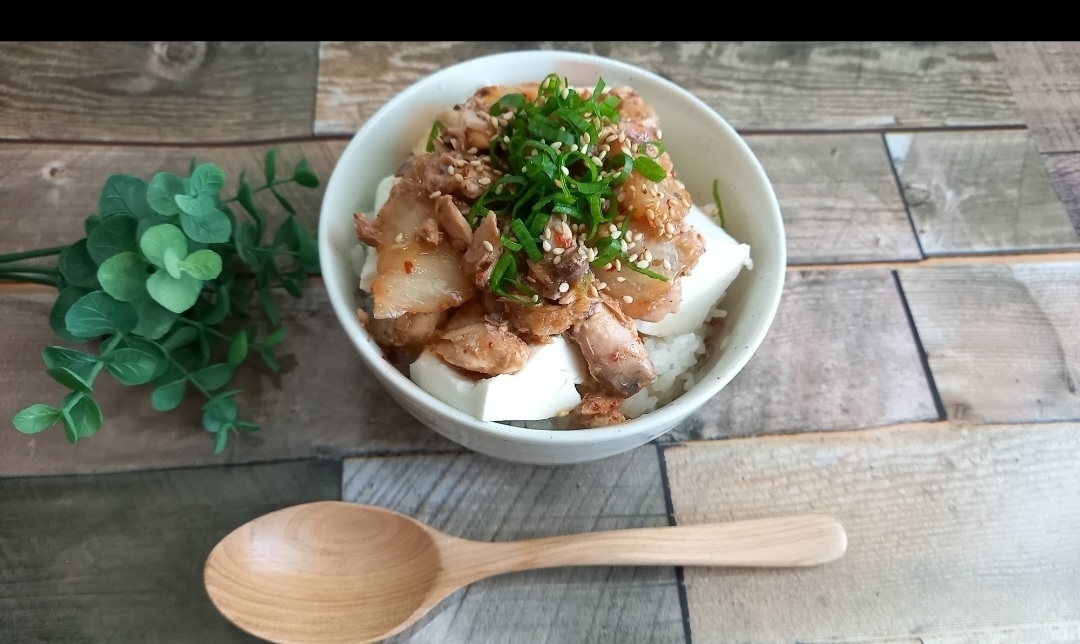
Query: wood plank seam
[
  {"x": 927, "y": 371},
  {"x": 900, "y": 190},
  {"x": 684, "y": 604}
]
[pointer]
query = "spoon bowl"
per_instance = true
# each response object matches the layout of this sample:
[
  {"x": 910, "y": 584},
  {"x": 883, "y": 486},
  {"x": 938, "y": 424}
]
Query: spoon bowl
[{"x": 332, "y": 571}]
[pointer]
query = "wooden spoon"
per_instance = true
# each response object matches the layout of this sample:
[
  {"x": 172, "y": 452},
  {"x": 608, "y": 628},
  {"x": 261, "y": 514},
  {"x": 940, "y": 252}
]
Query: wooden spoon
[{"x": 342, "y": 572}]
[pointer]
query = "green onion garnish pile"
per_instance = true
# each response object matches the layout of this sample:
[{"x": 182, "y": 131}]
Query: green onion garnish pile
[{"x": 553, "y": 163}]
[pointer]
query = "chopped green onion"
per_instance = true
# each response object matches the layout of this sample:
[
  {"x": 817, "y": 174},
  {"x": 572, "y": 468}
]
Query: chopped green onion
[
  {"x": 649, "y": 169},
  {"x": 510, "y": 243},
  {"x": 716, "y": 200},
  {"x": 643, "y": 271},
  {"x": 526, "y": 240},
  {"x": 436, "y": 127}
]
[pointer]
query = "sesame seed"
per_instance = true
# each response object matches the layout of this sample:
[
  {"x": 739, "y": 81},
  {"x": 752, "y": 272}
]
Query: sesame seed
[
  {"x": 627, "y": 299},
  {"x": 556, "y": 146},
  {"x": 643, "y": 264},
  {"x": 638, "y": 236},
  {"x": 450, "y": 169},
  {"x": 436, "y": 194},
  {"x": 558, "y": 250},
  {"x": 593, "y": 292},
  {"x": 601, "y": 285},
  {"x": 598, "y": 161},
  {"x": 621, "y": 197},
  {"x": 620, "y": 279},
  {"x": 400, "y": 237},
  {"x": 564, "y": 287},
  {"x": 475, "y": 163},
  {"x": 488, "y": 247},
  {"x": 612, "y": 227},
  {"x": 547, "y": 246},
  {"x": 648, "y": 255},
  {"x": 618, "y": 264},
  {"x": 622, "y": 245},
  {"x": 607, "y": 267},
  {"x": 669, "y": 228},
  {"x": 558, "y": 184},
  {"x": 557, "y": 259},
  {"x": 564, "y": 413},
  {"x": 565, "y": 171},
  {"x": 633, "y": 258},
  {"x": 667, "y": 264},
  {"x": 574, "y": 147},
  {"x": 483, "y": 181},
  {"x": 535, "y": 298},
  {"x": 659, "y": 134},
  {"x": 459, "y": 177}
]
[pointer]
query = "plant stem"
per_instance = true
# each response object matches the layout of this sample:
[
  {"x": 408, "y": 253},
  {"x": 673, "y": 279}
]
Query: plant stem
[
  {"x": 255, "y": 191},
  {"x": 28, "y": 254},
  {"x": 275, "y": 251},
  {"x": 200, "y": 325},
  {"x": 28, "y": 279},
  {"x": 32, "y": 270}
]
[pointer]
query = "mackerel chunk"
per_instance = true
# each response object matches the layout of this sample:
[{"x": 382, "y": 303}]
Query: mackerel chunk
[{"x": 613, "y": 350}]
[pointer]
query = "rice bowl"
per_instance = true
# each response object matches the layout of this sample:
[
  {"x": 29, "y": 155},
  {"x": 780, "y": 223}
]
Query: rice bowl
[{"x": 704, "y": 148}]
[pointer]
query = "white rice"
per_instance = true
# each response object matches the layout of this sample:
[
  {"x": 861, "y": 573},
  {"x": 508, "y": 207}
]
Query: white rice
[{"x": 675, "y": 358}]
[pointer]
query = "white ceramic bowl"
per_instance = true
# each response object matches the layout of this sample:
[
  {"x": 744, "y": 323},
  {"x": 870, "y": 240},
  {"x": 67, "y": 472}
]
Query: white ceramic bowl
[{"x": 703, "y": 147}]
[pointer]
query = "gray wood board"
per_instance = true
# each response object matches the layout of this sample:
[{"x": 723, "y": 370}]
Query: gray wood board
[
  {"x": 840, "y": 355},
  {"x": 754, "y": 85},
  {"x": 954, "y": 535},
  {"x": 479, "y": 498},
  {"x": 1002, "y": 341},
  {"x": 119, "y": 558},
  {"x": 157, "y": 91},
  {"x": 838, "y": 196},
  {"x": 1045, "y": 79},
  {"x": 980, "y": 192},
  {"x": 47, "y": 190}
]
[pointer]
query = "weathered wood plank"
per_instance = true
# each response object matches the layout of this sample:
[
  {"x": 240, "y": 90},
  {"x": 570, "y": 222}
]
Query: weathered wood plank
[
  {"x": 323, "y": 403},
  {"x": 119, "y": 558},
  {"x": 479, "y": 498},
  {"x": 755, "y": 86},
  {"x": 977, "y": 192},
  {"x": 47, "y": 190},
  {"x": 157, "y": 92},
  {"x": 1065, "y": 174},
  {"x": 1045, "y": 80},
  {"x": 1003, "y": 342},
  {"x": 840, "y": 355},
  {"x": 954, "y": 535},
  {"x": 838, "y": 197}
]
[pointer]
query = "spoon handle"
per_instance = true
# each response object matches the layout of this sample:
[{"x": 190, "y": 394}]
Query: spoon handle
[{"x": 778, "y": 542}]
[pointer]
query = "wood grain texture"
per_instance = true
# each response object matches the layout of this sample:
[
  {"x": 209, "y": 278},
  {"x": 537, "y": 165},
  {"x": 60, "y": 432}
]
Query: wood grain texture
[
  {"x": 838, "y": 197},
  {"x": 47, "y": 190},
  {"x": 954, "y": 535},
  {"x": 323, "y": 403},
  {"x": 1045, "y": 80},
  {"x": 755, "y": 86},
  {"x": 119, "y": 558},
  {"x": 157, "y": 91},
  {"x": 1065, "y": 174},
  {"x": 839, "y": 355},
  {"x": 979, "y": 192},
  {"x": 479, "y": 498},
  {"x": 1003, "y": 342}
]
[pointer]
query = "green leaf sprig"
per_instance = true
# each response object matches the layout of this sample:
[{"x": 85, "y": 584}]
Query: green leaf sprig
[{"x": 166, "y": 283}]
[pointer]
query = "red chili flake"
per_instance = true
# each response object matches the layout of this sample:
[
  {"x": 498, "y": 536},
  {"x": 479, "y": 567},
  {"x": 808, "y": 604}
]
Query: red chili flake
[{"x": 408, "y": 266}]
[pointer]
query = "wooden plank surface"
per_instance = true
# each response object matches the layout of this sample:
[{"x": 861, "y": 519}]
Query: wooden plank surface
[
  {"x": 838, "y": 197},
  {"x": 1065, "y": 174},
  {"x": 755, "y": 85},
  {"x": 1003, "y": 342},
  {"x": 979, "y": 192},
  {"x": 47, "y": 190},
  {"x": 839, "y": 355},
  {"x": 119, "y": 558},
  {"x": 323, "y": 403},
  {"x": 157, "y": 91},
  {"x": 479, "y": 498},
  {"x": 1045, "y": 79},
  {"x": 954, "y": 535}
]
